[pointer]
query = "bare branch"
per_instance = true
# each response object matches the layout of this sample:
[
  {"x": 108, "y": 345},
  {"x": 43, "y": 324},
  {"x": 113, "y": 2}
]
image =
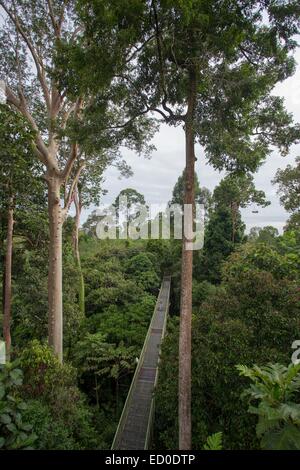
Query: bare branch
[
  {"x": 72, "y": 189},
  {"x": 71, "y": 160},
  {"x": 62, "y": 13},
  {"x": 74, "y": 148},
  {"x": 55, "y": 24},
  {"x": 12, "y": 98},
  {"x": 125, "y": 124},
  {"x": 77, "y": 30},
  {"x": 67, "y": 113},
  {"x": 173, "y": 117},
  {"x": 245, "y": 54},
  {"x": 139, "y": 49}
]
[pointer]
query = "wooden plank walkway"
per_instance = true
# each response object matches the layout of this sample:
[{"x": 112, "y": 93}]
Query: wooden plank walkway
[{"x": 133, "y": 432}]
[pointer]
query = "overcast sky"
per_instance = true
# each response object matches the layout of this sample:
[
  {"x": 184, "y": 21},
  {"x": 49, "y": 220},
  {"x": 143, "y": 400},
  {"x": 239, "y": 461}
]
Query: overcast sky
[{"x": 156, "y": 177}]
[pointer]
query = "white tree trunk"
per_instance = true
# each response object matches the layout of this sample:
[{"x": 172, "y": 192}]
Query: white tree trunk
[
  {"x": 81, "y": 292},
  {"x": 55, "y": 305},
  {"x": 7, "y": 282}
]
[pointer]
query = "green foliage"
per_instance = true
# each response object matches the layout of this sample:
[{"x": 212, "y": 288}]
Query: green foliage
[
  {"x": 16, "y": 155},
  {"x": 218, "y": 243},
  {"x": 106, "y": 284},
  {"x": 288, "y": 180},
  {"x": 140, "y": 268},
  {"x": 21, "y": 187},
  {"x": 166, "y": 253},
  {"x": 30, "y": 271},
  {"x": 67, "y": 426},
  {"x": 236, "y": 118},
  {"x": 237, "y": 52},
  {"x": 275, "y": 390},
  {"x": 100, "y": 364},
  {"x": 273, "y": 311},
  {"x": 166, "y": 397},
  {"x": 73, "y": 315},
  {"x": 89, "y": 226},
  {"x": 214, "y": 442},
  {"x": 289, "y": 246},
  {"x": 126, "y": 324},
  {"x": 266, "y": 234},
  {"x": 94, "y": 354},
  {"x": 225, "y": 228},
  {"x": 202, "y": 195},
  {"x": 15, "y": 430},
  {"x": 289, "y": 190},
  {"x": 134, "y": 200},
  {"x": 232, "y": 326},
  {"x": 239, "y": 190},
  {"x": 110, "y": 341},
  {"x": 43, "y": 373},
  {"x": 260, "y": 257},
  {"x": 57, "y": 409},
  {"x": 202, "y": 291},
  {"x": 116, "y": 274},
  {"x": 293, "y": 222},
  {"x": 119, "y": 277},
  {"x": 105, "y": 357},
  {"x": 139, "y": 264},
  {"x": 30, "y": 295}
]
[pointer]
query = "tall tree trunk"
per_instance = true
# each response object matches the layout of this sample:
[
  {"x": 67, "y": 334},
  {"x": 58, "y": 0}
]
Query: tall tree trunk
[
  {"x": 234, "y": 211},
  {"x": 184, "y": 386},
  {"x": 55, "y": 306},
  {"x": 81, "y": 292},
  {"x": 7, "y": 280}
]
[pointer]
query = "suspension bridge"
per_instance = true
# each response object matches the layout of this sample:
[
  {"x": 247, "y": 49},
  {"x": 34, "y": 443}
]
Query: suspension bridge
[{"x": 134, "y": 429}]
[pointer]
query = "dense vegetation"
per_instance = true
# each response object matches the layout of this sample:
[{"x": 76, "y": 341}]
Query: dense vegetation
[
  {"x": 250, "y": 317},
  {"x": 81, "y": 80},
  {"x": 77, "y": 405}
]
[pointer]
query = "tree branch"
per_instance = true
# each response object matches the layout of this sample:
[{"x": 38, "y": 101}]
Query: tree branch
[
  {"x": 37, "y": 60},
  {"x": 170, "y": 118},
  {"x": 70, "y": 162},
  {"x": 125, "y": 124},
  {"x": 139, "y": 49},
  {"x": 55, "y": 24},
  {"x": 74, "y": 148},
  {"x": 66, "y": 115},
  {"x": 161, "y": 64},
  {"x": 21, "y": 106},
  {"x": 72, "y": 188},
  {"x": 245, "y": 54}
]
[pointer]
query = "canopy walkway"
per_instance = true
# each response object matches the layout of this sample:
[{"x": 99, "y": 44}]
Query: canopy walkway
[{"x": 134, "y": 429}]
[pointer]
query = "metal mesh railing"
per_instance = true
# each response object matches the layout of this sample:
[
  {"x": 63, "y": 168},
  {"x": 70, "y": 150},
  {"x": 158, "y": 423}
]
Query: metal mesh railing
[{"x": 134, "y": 427}]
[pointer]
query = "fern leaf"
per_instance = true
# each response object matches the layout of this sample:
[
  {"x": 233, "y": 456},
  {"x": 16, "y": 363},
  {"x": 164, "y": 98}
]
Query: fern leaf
[{"x": 214, "y": 442}]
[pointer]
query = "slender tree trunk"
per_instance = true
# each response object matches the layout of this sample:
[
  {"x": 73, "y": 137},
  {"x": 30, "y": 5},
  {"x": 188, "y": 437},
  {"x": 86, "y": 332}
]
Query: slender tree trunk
[
  {"x": 234, "y": 210},
  {"x": 184, "y": 389},
  {"x": 78, "y": 207},
  {"x": 7, "y": 281},
  {"x": 56, "y": 218}
]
